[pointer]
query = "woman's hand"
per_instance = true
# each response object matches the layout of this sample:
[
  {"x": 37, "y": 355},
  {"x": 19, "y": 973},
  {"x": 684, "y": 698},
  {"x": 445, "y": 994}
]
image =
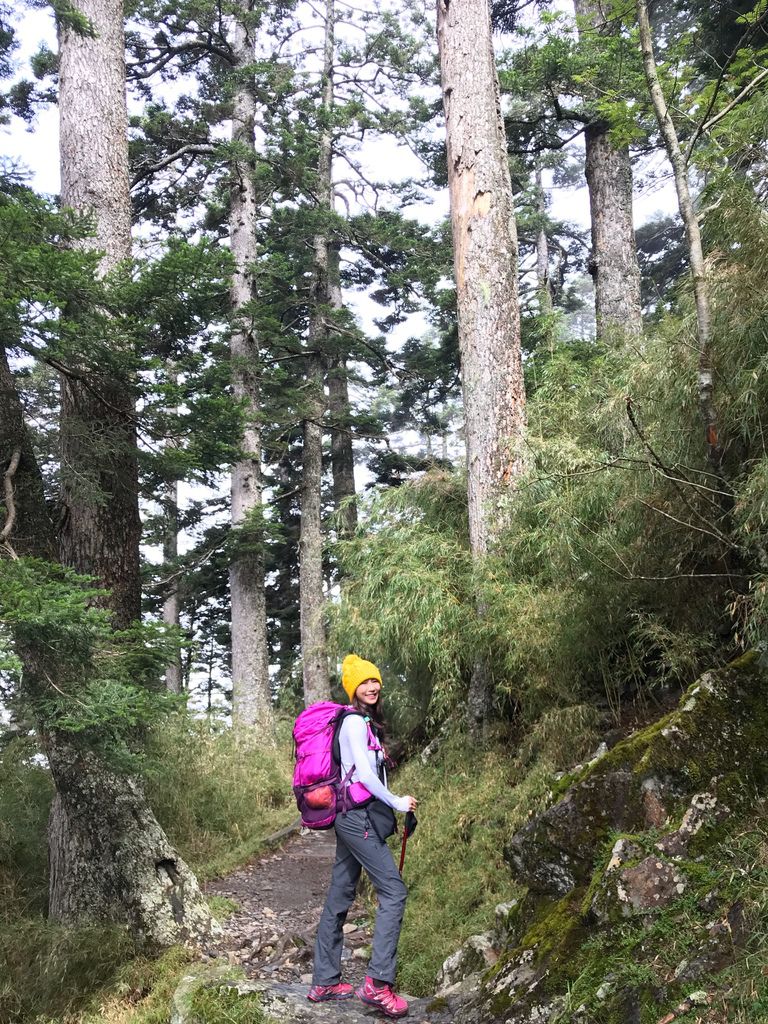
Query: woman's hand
[{"x": 412, "y": 802}]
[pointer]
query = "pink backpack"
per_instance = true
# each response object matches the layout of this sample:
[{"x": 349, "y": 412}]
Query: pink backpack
[{"x": 320, "y": 791}]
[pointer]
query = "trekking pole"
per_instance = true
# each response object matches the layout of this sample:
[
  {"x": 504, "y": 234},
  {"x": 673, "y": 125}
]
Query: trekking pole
[{"x": 408, "y": 830}]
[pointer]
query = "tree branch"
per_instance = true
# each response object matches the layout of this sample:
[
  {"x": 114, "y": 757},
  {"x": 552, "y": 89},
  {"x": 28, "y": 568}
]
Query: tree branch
[{"x": 195, "y": 149}]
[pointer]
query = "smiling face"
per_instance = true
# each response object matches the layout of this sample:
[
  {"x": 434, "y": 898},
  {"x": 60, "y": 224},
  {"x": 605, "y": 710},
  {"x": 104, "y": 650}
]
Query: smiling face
[{"x": 368, "y": 691}]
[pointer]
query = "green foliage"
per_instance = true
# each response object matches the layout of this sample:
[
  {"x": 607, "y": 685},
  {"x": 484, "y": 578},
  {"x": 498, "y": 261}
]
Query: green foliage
[
  {"x": 25, "y": 798},
  {"x": 407, "y": 600},
  {"x": 88, "y": 679},
  {"x": 216, "y": 794}
]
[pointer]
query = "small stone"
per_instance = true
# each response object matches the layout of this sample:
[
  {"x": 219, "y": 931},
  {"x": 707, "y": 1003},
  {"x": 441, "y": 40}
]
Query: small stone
[
  {"x": 349, "y": 928},
  {"x": 604, "y": 991},
  {"x": 681, "y": 968}
]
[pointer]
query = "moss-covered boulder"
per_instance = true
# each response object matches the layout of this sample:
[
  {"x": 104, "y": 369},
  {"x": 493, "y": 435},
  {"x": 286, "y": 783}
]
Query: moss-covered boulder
[{"x": 717, "y": 739}]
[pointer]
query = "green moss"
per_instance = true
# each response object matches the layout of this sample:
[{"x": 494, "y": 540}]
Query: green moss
[
  {"x": 561, "y": 786},
  {"x": 555, "y": 929}
]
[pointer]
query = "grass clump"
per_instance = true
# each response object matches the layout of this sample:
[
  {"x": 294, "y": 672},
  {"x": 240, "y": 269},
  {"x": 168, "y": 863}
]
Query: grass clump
[
  {"x": 226, "y": 1006},
  {"x": 218, "y": 794},
  {"x": 49, "y": 971},
  {"x": 222, "y": 907},
  {"x": 141, "y": 993}
]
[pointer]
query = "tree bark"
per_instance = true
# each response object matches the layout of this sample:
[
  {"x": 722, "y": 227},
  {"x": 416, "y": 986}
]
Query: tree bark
[
  {"x": 314, "y": 653},
  {"x": 485, "y": 262},
  {"x": 614, "y": 267},
  {"x": 100, "y": 526},
  {"x": 342, "y": 453},
  {"x": 251, "y": 692},
  {"x": 707, "y": 408},
  {"x": 543, "y": 280},
  {"x": 109, "y": 858},
  {"x": 171, "y": 601}
]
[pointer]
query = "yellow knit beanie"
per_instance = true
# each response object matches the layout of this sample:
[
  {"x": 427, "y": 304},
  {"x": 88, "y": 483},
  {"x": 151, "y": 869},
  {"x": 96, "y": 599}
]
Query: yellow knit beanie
[{"x": 356, "y": 670}]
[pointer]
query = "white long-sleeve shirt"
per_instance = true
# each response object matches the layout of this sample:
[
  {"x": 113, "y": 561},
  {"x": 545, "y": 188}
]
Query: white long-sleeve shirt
[{"x": 353, "y": 750}]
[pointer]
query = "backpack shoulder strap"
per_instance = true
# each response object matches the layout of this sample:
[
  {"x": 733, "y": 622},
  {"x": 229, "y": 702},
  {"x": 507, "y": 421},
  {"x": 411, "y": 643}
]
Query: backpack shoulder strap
[{"x": 336, "y": 744}]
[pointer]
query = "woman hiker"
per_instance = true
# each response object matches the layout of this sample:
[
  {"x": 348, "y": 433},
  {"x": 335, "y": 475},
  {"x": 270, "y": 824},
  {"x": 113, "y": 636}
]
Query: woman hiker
[{"x": 360, "y": 843}]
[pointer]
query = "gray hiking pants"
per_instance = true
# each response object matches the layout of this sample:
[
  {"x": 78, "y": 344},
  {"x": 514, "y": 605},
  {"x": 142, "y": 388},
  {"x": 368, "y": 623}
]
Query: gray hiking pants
[{"x": 353, "y": 852}]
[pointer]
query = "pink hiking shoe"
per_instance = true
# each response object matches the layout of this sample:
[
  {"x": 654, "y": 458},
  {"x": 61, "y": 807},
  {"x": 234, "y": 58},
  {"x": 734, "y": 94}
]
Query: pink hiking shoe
[
  {"x": 322, "y": 993},
  {"x": 389, "y": 1002}
]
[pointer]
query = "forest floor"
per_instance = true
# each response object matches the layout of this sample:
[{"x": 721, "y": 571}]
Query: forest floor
[{"x": 270, "y": 934}]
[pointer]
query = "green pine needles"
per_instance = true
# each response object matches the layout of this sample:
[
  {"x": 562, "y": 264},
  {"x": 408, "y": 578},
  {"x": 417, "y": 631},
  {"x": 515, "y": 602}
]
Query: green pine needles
[{"x": 105, "y": 683}]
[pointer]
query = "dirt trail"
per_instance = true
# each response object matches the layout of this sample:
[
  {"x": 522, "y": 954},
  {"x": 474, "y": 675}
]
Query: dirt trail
[{"x": 280, "y": 898}]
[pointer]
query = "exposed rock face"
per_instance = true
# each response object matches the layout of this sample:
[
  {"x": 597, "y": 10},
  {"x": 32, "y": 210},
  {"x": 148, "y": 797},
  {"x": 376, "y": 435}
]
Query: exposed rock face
[
  {"x": 680, "y": 774},
  {"x": 704, "y": 808},
  {"x": 554, "y": 851},
  {"x": 651, "y": 884},
  {"x": 639, "y": 783},
  {"x": 716, "y": 950}
]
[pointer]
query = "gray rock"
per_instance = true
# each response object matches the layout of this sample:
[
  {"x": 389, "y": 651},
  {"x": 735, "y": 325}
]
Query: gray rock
[
  {"x": 506, "y": 916},
  {"x": 554, "y": 852},
  {"x": 650, "y": 885},
  {"x": 476, "y": 955}
]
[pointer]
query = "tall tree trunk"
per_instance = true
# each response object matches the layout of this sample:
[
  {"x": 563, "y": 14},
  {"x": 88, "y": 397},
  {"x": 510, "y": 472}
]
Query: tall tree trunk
[
  {"x": 693, "y": 237},
  {"x": 109, "y": 858},
  {"x": 171, "y": 602},
  {"x": 485, "y": 261},
  {"x": 544, "y": 289},
  {"x": 251, "y": 694},
  {"x": 613, "y": 265},
  {"x": 342, "y": 454},
  {"x": 314, "y": 653},
  {"x": 99, "y": 472},
  {"x": 543, "y": 281},
  {"x": 314, "y": 656}
]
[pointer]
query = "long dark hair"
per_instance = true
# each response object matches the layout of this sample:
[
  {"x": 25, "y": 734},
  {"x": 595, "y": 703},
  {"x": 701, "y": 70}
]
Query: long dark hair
[{"x": 376, "y": 715}]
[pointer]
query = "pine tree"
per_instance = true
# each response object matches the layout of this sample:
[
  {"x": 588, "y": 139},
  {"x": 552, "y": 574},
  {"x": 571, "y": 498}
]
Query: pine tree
[
  {"x": 485, "y": 259},
  {"x": 98, "y": 811},
  {"x": 85, "y": 684},
  {"x": 250, "y": 664}
]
